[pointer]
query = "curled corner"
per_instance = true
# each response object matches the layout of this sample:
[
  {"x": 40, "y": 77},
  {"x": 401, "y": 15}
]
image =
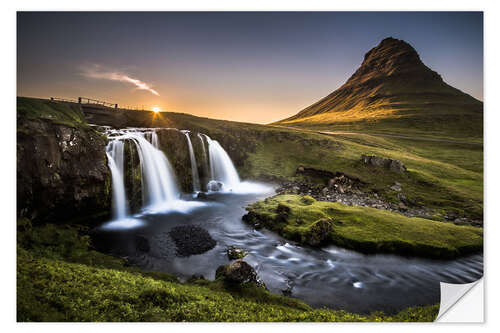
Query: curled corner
[{"x": 451, "y": 295}]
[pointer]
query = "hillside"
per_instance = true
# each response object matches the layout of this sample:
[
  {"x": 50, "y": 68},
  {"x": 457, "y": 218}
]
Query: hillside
[{"x": 393, "y": 91}]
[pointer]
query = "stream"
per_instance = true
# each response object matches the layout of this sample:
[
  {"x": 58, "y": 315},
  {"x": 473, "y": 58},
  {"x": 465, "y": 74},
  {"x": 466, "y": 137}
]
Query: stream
[{"x": 322, "y": 277}]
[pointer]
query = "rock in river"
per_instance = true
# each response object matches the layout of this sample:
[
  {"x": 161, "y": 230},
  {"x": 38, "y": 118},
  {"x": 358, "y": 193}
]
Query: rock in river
[
  {"x": 239, "y": 272},
  {"x": 191, "y": 239},
  {"x": 234, "y": 252}
]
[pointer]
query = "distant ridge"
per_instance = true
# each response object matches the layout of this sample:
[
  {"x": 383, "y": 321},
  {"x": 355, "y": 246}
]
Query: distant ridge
[{"x": 393, "y": 86}]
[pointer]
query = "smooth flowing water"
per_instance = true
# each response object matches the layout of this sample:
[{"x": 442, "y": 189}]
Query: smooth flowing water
[
  {"x": 221, "y": 167},
  {"x": 194, "y": 166},
  {"x": 114, "y": 152},
  {"x": 206, "y": 167},
  {"x": 157, "y": 177}
]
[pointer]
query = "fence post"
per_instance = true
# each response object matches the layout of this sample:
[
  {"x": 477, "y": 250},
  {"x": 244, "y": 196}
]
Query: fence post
[{"x": 79, "y": 100}]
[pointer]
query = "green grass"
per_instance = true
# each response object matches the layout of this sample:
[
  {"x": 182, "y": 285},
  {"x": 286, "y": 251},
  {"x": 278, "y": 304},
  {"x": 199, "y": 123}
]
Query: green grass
[
  {"x": 60, "y": 282},
  {"x": 62, "y": 113},
  {"x": 464, "y": 128},
  {"x": 443, "y": 176},
  {"x": 364, "y": 229}
]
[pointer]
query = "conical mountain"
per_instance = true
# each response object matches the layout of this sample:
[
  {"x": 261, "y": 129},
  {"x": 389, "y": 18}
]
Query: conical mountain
[{"x": 394, "y": 91}]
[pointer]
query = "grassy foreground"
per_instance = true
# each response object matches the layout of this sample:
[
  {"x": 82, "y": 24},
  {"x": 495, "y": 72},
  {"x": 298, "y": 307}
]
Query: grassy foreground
[
  {"x": 60, "y": 279},
  {"x": 303, "y": 219}
]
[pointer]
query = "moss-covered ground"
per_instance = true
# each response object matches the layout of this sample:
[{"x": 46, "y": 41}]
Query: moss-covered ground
[
  {"x": 364, "y": 229},
  {"x": 59, "y": 278}
]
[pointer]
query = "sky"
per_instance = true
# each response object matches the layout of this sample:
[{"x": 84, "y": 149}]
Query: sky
[{"x": 256, "y": 67}]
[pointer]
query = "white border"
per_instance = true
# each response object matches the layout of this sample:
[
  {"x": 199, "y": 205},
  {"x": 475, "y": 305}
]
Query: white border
[{"x": 8, "y": 91}]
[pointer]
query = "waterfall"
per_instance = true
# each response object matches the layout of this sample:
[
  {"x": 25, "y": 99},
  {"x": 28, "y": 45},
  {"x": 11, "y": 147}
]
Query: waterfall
[
  {"x": 114, "y": 152},
  {"x": 154, "y": 140},
  {"x": 194, "y": 166},
  {"x": 157, "y": 177},
  {"x": 157, "y": 174},
  {"x": 221, "y": 167},
  {"x": 159, "y": 187},
  {"x": 205, "y": 158}
]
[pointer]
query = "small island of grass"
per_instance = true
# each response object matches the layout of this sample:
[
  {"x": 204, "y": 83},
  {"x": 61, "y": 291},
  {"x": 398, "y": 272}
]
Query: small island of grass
[{"x": 368, "y": 230}]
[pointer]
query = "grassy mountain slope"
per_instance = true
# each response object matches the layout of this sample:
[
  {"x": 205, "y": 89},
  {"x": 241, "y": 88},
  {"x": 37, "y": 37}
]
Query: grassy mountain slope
[{"x": 394, "y": 92}]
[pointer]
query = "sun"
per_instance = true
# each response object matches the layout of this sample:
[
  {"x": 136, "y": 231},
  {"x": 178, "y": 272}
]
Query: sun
[{"x": 156, "y": 109}]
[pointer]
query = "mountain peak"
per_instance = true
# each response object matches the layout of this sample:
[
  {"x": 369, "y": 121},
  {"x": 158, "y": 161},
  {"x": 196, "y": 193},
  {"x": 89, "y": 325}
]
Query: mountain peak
[
  {"x": 390, "y": 58},
  {"x": 391, "y": 83}
]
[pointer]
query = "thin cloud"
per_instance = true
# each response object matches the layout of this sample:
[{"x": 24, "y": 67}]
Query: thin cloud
[{"x": 96, "y": 72}]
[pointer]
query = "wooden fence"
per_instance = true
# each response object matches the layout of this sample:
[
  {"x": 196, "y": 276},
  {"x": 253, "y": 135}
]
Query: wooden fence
[{"x": 95, "y": 102}]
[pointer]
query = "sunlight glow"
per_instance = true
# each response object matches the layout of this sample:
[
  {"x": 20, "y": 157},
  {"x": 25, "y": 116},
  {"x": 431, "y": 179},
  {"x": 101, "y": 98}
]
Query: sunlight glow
[{"x": 156, "y": 109}]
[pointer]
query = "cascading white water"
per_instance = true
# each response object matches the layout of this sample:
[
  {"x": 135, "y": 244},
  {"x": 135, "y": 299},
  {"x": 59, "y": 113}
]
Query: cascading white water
[
  {"x": 154, "y": 140},
  {"x": 114, "y": 152},
  {"x": 221, "y": 167},
  {"x": 157, "y": 177},
  {"x": 194, "y": 166},
  {"x": 205, "y": 157}
]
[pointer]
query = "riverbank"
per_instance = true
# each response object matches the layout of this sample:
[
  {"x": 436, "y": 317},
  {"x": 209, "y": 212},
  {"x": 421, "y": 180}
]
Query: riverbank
[
  {"x": 308, "y": 221},
  {"x": 76, "y": 283}
]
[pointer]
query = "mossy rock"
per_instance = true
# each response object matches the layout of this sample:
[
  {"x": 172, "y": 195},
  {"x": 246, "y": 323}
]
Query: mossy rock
[{"x": 319, "y": 232}]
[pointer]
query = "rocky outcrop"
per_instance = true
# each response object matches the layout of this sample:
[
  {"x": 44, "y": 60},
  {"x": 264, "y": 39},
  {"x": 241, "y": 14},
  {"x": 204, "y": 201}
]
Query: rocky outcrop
[
  {"x": 62, "y": 171},
  {"x": 239, "y": 272},
  {"x": 380, "y": 162}
]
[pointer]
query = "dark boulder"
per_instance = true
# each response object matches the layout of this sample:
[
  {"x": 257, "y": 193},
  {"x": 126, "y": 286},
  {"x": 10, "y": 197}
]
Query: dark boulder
[
  {"x": 239, "y": 272},
  {"x": 190, "y": 240}
]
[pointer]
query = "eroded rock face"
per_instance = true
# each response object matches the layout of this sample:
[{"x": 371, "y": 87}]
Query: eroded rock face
[
  {"x": 62, "y": 173},
  {"x": 380, "y": 162}
]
